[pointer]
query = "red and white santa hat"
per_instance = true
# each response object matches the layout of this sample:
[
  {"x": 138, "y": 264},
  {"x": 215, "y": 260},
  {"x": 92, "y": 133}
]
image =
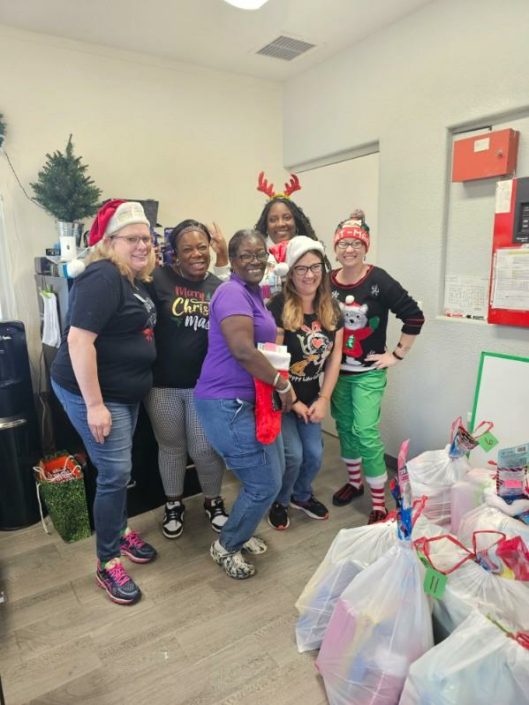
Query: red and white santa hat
[{"x": 113, "y": 216}]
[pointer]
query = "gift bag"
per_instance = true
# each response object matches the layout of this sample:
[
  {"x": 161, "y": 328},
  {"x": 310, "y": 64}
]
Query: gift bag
[
  {"x": 267, "y": 405},
  {"x": 433, "y": 473},
  {"x": 485, "y": 517},
  {"x": 470, "y": 585},
  {"x": 351, "y": 551},
  {"x": 478, "y": 663},
  {"x": 60, "y": 484},
  {"x": 380, "y": 625},
  {"x": 469, "y": 493}
]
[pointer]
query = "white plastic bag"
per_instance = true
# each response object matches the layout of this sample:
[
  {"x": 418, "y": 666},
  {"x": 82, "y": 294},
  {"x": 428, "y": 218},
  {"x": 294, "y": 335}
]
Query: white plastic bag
[
  {"x": 478, "y": 663},
  {"x": 380, "y": 625},
  {"x": 468, "y": 493},
  {"x": 484, "y": 518},
  {"x": 432, "y": 475},
  {"x": 351, "y": 551}
]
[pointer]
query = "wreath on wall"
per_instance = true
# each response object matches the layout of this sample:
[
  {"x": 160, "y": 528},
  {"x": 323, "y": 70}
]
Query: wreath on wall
[{"x": 2, "y": 129}]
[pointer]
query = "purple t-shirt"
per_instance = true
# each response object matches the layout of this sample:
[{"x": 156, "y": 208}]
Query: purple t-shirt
[{"x": 222, "y": 377}]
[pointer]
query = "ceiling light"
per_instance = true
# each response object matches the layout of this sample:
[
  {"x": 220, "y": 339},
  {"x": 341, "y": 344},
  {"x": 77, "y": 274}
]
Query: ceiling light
[{"x": 247, "y": 4}]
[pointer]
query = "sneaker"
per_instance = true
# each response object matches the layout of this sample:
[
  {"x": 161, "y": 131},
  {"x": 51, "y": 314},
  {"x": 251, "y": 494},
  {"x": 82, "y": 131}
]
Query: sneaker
[
  {"x": 255, "y": 546},
  {"x": 377, "y": 515},
  {"x": 216, "y": 513},
  {"x": 278, "y": 517},
  {"x": 136, "y": 549},
  {"x": 113, "y": 578},
  {"x": 312, "y": 508},
  {"x": 173, "y": 520},
  {"x": 233, "y": 563},
  {"x": 346, "y": 494}
]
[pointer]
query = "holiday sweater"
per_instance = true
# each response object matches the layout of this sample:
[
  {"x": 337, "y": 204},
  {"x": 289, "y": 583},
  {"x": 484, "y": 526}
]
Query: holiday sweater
[{"x": 366, "y": 315}]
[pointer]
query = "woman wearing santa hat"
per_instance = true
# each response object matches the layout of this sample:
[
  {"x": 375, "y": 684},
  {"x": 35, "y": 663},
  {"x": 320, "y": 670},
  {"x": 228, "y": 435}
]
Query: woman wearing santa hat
[
  {"x": 366, "y": 294},
  {"x": 310, "y": 324},
  {"x": 103, "y": 370}
]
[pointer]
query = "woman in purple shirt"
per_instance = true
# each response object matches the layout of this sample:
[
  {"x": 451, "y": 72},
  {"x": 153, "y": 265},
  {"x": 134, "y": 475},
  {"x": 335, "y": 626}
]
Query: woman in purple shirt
[{"x": 225, "y": 399}]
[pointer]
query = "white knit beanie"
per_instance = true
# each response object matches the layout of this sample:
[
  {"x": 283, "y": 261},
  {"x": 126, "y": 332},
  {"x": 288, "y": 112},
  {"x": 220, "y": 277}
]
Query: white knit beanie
[
  {"x": 299, "y": 246},
  {"x": 128, "y": 213}
]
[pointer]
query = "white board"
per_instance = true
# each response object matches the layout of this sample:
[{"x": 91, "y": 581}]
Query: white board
[{"x": 502, "y": 396}]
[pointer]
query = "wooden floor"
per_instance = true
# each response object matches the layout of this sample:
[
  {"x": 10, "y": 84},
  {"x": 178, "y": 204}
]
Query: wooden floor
[{"x": 196, "y": 638}]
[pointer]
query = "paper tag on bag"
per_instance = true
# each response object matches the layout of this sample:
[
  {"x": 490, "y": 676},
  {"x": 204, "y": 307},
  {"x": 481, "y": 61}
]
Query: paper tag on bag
[
  {"x": 488, "y": 441},
  {"x": 434, "y": 583}
]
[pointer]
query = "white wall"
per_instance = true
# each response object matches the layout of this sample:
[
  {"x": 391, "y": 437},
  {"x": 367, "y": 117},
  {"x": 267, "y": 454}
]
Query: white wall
[
  {"x": 192, "y": 138},
  {"x": 450, "y": 64}
]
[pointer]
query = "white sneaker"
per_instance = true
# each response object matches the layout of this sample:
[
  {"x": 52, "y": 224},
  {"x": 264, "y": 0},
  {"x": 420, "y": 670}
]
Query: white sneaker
[
  {"x": 216, "y": 513},
  {"x": 173, "y": 520},
  {"x": 233, "y": 563}
]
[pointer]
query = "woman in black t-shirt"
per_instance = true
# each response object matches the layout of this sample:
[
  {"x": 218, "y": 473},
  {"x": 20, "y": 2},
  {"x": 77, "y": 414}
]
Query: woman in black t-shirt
[
  {"x": 182, "y": 292},
  {"x": 101, "y": 372},
  {"x": 310, "y": 325}
]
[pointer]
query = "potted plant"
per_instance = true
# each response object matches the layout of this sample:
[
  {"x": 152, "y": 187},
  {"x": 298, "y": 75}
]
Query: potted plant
[{"x": 65, "y": 190}]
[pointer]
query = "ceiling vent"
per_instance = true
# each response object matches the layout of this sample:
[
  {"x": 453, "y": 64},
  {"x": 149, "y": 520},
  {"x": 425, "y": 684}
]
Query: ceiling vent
[{"x": 285, "y": 48}]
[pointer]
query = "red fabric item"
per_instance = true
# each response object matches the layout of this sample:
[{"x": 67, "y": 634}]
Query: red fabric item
[
  {"x": 103, "y": 215},
  {"x": 352, "y": 232},
  {"x": 279, "y": 251},
  {"x": 267, "y": 419}
]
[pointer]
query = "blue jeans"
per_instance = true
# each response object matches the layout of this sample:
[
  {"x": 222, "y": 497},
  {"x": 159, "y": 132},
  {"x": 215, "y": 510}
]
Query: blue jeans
[
  {"x": 230, "y": 427},
  {"x": 303, "y": 456},
  {"x": 113, "y": 460}
]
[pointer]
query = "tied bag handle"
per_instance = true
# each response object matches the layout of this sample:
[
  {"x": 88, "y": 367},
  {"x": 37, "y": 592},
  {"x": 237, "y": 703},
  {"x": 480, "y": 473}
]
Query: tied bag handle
[{"x": 422, "y": 545}]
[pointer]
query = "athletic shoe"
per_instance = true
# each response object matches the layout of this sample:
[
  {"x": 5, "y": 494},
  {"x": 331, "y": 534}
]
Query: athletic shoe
[
  {"x": 136, "y": 549},
  {"x": 173, "y": 520},
  {"x": 346, "y": 494},
  {"x": 113, "y": 578},
  {"x": 255, "y": 546},
  {"x": 233, "y": 563},
  {"x": 278, "y": 517},
  {"x": 216, "y": 513},
  {"x": 377, "y": 515},
  {"x": 312, "y": 508}
]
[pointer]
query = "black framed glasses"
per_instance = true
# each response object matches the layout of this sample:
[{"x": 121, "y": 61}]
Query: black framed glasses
[
  {"x": 301, "y": 269},
  {"x": 247, "y": 257},
  {"x": 344, "y": 244}
]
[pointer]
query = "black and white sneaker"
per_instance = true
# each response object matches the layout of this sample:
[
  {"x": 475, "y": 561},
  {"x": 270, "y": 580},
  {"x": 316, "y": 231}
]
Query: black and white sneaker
[
  {"x": 278, "y": 517},
  {"x": 173, "y": 520},
  {"x": 216, "y": 513},
  {"x": 312, "y": 508}
]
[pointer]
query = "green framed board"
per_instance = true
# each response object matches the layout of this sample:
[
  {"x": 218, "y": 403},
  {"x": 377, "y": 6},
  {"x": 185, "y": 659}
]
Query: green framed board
[{"x": 502, "y": 396}]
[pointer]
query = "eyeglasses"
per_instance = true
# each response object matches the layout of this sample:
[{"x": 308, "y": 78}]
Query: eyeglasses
[
  {"x": 314, "y": 268},
  {"x": 246, "y": 257},
  {"x": 344, "y": 244},
  {"x": 134, "y": 240}
]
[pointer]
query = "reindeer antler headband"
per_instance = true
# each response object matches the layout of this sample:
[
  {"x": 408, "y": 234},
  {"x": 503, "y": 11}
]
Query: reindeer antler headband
[{"x": 268, "y": 189}]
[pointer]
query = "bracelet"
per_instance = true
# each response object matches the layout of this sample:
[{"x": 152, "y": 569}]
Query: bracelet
[
  {"x": 276, "y": 379},
  {"x": 399, "y": 357},
  {"x": 322, "y": 396},
  {"x": 286, "y": 389}
]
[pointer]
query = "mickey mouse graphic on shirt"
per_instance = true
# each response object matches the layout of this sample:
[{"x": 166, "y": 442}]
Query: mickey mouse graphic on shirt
[{"x": 357, "y": 327}]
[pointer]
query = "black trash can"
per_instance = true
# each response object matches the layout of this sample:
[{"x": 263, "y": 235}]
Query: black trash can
[
  {"x": 19, "y": 443},
  {"x": 18, "y": 499}
]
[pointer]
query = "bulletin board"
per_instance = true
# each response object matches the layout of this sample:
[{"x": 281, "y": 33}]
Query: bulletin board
[{"x": 501, "y": 397}]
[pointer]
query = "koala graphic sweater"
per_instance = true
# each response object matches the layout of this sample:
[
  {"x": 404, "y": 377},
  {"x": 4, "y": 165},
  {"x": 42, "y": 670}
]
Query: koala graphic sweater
[{"x": 366, "y": 315}]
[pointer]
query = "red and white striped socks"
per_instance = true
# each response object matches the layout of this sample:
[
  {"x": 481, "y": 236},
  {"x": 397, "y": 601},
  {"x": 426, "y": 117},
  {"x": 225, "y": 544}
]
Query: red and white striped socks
[
  {"x": 377, "y": 497},
  {"x": 354, "y": 471}
]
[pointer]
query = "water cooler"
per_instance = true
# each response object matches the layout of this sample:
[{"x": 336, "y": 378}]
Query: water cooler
[{"x": 19, "y": 438}]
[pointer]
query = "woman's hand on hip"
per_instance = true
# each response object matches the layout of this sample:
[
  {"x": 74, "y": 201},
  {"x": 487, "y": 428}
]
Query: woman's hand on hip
[
  {"x": 99, "y": 421},
  {"x": 382, "y": 362}
]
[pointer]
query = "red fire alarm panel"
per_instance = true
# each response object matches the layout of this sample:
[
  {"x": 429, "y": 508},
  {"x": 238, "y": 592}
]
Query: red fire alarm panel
[{"x": 485, "y": 155}]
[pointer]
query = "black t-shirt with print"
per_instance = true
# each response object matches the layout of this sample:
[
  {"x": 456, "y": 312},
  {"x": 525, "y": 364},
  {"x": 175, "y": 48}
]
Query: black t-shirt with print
[
  {"x": 123, "y": 316},
  {"x": 182, "y": 329},
  {"x": 309, "y": 348}
]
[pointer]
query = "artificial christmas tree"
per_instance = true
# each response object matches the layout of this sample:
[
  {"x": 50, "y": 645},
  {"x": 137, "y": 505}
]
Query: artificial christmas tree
[{"x": 68, "y": 194}]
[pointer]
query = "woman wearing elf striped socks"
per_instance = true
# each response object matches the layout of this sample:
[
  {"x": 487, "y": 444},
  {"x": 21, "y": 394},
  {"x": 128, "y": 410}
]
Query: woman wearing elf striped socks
[{"x": 366, "y": 294}]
